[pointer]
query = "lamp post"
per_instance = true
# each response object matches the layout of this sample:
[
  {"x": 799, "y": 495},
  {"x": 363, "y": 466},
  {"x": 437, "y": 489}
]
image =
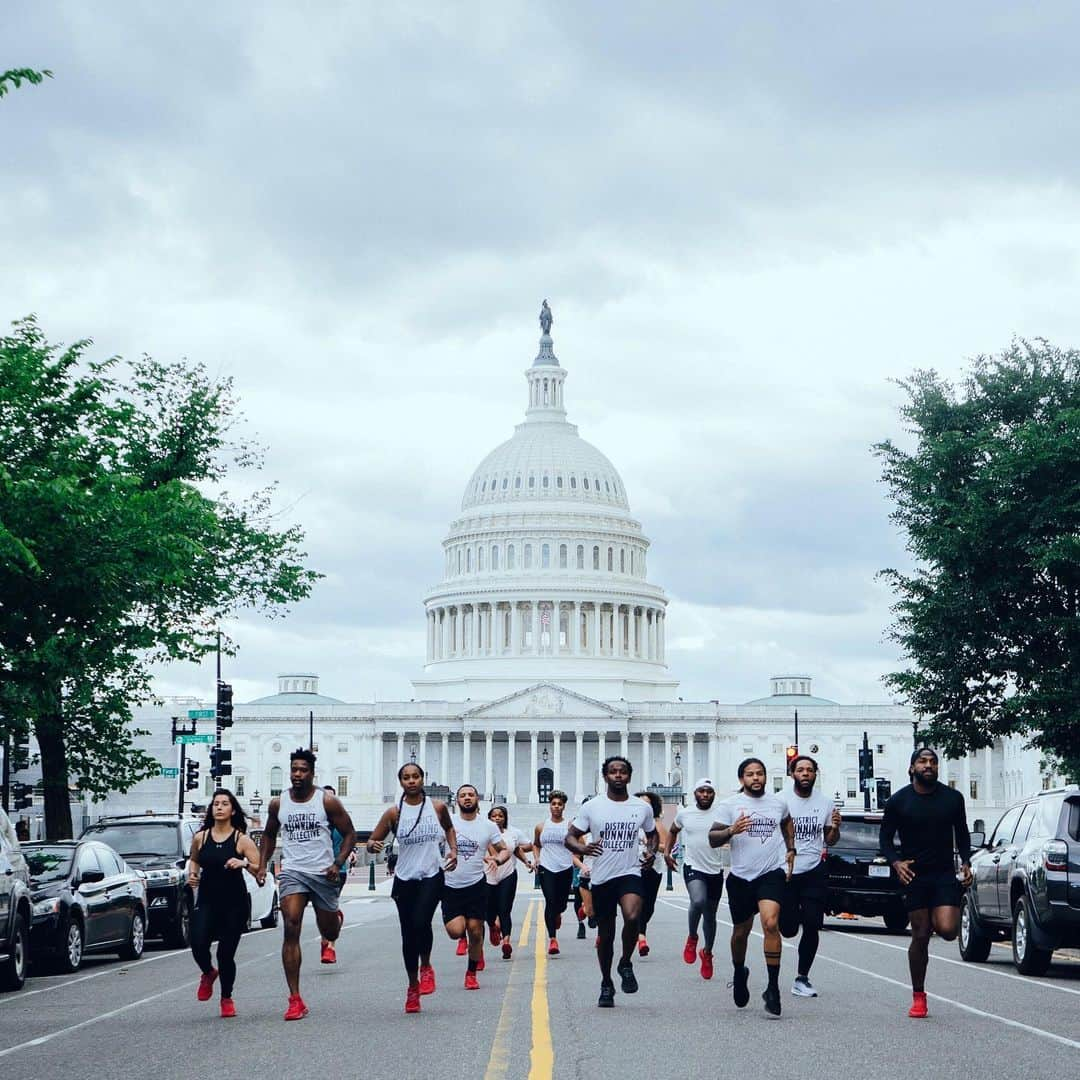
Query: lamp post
[
  {"x": 255, "y": 802},
  {"x": 412, "y": 754}
]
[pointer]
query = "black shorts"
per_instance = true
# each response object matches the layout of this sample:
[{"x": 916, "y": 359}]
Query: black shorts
[
  {"x": 743, "y": 896},
  {"x": 935, "y": 889},
  {"x": 606, "y": 895},
  {"x": 714, "y": 883},
  {"x": 804, "y": 901},
  {"x": 470, "y": 902}
]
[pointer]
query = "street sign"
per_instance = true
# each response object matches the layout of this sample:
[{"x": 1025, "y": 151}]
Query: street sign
[
  {"x": 169, "y": 772},
  {"x": 189, "y": 739},
  {"x": 200, "y": 714}
]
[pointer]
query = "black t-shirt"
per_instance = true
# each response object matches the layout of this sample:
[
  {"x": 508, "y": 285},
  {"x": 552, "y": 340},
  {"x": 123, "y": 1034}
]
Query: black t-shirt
[{"x": 927, "y": 825}]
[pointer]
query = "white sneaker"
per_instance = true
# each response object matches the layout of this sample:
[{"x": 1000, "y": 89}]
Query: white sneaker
[{"x": 801, "y": 987}]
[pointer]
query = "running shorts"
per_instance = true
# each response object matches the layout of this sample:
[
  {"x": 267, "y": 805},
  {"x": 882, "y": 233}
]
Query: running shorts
[
  {"x": 713, "y": 882},
  {"x": 804, "y": 901},
  {"x": 743, "y": 896},
  {"x": 606, "y": 896},
  {"x": 469, "y": 902},
  {"x": 323, "y": 893},
  {"x": 930, "y": 890}
]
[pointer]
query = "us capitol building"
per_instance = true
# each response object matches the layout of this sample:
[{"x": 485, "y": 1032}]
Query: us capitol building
[{"x": 546, "y": 651}]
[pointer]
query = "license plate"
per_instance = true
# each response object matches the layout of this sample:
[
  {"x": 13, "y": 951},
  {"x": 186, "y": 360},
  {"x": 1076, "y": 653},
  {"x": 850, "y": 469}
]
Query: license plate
[{"x": 878, "y": 871}]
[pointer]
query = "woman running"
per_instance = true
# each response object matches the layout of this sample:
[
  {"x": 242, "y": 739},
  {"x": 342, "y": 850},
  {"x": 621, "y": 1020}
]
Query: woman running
[
  {"x": 420, "y": 826},
  {"x": 502, "y": 882},
  {"x": 220, "y": 853},
  {"x": 651, "y": 873},
  {"x": 556, "y": 867}
]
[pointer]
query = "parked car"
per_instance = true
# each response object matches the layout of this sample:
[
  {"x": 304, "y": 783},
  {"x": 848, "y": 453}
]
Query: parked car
[
  {"x": 85, "y": 899},
  {"x": 15, "y": 911},
  {"x": 1027, "y": 883},
  {"x": 860, "y": 880}
]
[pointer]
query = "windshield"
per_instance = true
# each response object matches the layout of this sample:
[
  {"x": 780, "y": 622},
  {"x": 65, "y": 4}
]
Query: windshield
[
  {"x": 48, "y": 864},
  {"x": 858, "y": 835},
  {"x": 150, "y": 838}
]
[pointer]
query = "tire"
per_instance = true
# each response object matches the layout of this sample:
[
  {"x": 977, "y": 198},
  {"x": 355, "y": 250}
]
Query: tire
[
  {"x": 136, "y": 939},
  {"x": 178, "y": 936},
  {"x": 69, "y": 956},
  {"x": 973, "y": 941},
  {"x": 896, "y": 919},
  {"x": 1028, "y": 957},
  {"x": 13, "y": 969},
  {"x": 271, "y": 920}
]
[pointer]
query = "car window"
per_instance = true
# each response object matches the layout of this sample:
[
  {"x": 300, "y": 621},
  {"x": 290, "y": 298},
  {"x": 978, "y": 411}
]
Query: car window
[
  {"x": 1021, "y": 834},
  {"x": 87, "y": 860},
  {"x": 109, "y": 862},
  {"x": 1074, "y": 818},
  {"x": 1044, "y": 827},
  {"x": 48, "y": 864},
  {"x": 860, "y": 835},
  {"x": 145, "y": 838},
  {"x": 1006, "y": 826},
  {"x": 189, "y": 829}
]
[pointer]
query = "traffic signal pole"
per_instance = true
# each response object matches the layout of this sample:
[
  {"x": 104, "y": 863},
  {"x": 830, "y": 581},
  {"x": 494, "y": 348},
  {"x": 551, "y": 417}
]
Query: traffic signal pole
[
  {"x": 866, "y": 783},
  {"x": 7, "y": 772},
  {"x": 182, "y": 781}
]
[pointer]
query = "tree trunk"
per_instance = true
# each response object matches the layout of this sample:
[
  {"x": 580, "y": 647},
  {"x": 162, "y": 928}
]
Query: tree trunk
[{"x": 54, "y": 774}]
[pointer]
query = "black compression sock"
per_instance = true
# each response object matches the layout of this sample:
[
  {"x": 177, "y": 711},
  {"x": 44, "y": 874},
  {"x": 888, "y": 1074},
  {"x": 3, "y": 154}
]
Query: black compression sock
[
  {"x": 774, "y": 974},
  {"x": 472, "y": 966}
]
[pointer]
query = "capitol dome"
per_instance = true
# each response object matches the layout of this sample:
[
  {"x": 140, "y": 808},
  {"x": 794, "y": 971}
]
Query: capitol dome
[{"x": 545, "y": 568}]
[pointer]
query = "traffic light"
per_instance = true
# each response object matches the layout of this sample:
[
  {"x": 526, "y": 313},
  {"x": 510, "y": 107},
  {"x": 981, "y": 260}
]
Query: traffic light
[
  {"x": 866, "y": 765},
  {"x": 191, "y": 775},
  {"x": 224, "y": 704},
  {"x": 22, "y": 796},
  {"x": 790, "y": 754},
  {"x": 220, "y": 762},
  {"x": 20, "y": 751}
]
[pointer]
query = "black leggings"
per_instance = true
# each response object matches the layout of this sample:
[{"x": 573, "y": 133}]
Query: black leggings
[
  {"x": 501, "y": 903},
  {"x": 556, "y": 889},
  {"x": 223, "y": 924},
  {"x": 809, "y": 912},
  {"x": 416, "y": 903},
  {"x": 650, "y": 886}
]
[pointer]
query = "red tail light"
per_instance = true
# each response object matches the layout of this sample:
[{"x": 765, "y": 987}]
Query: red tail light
[{"x": 1056, "y": 855}]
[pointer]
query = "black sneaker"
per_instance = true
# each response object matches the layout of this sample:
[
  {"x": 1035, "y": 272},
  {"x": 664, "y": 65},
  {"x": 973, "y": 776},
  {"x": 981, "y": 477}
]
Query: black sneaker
[
  {"x": 740, "y": 989},
  {"x": 629, "y": 980},
  {"x": 592, "y": 922},
  {"x": 580, "y": 931},
  {"x": 771, "y": 997},
  {"x": 607, "y": 996}
]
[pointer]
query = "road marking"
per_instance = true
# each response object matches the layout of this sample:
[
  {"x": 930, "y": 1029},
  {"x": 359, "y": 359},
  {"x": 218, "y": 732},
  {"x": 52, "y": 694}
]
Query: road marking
[
  {"x": 542, "y": 1056},
  {"x": 523, "y": 937},
  {"x": 499, "y": 1060}
]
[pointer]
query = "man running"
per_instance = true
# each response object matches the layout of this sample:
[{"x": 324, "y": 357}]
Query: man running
[
  {"x": 930, "y": 819},
  {"x": 703, "y": 872},
  {"x": 480, "y": 848},
  {"x": 817, "y": 825},
  {"x": 328, "y": 953},
  {"x": 556, "y": 867},
  {"x": 306, "y": 816},
  {"x": 502, "y": 882},
  {"x": 615, "y": 820},
  {"x": 651, "y": 871},
  {"x": 759, "y": 828}
]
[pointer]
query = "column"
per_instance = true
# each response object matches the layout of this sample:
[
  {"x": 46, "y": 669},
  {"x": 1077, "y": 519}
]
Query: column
[
  {"x": 556, "y": 765},
  {"x": 533, "y": 766},
  {"x": 987, "y": 797},
  {"x": 646, "y": 772},
  {"x": 579, "y": 755},
  {"x": 641, "y": 628},
  {"x": 536, "y": 627},
  {"x": 421, "y": 751},
  {"x": 652, "y": 634},
  {"x": 376, "y": 785},
  {"x": 511, "y": 767},
  {"x": 601, "y": 753},
  {"x": 489, "y": 765},
  {"x": 943, "y": 771},
  {"x": 400, "y": 750},
  {"x": 515, "y": 629},
  {"x": 714, "y": 756},
  {"x": 595, "y": 649},
  {"x": 966, "y": 777},
  {"x": 575, "y": 628},
  {"x": 624, "y": 744},
  {"x": 667, "y": 757},
  {"x": 466, "y": 756},
  {"x": 689, "y": 768},
  {"x": 444, "y": 765}
]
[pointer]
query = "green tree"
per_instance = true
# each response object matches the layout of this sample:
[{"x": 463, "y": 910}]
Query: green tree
[
  {"x": 15, "y": 77},
  {"x": 116, "y": 550},
  {"x": 989, "y": 498}
]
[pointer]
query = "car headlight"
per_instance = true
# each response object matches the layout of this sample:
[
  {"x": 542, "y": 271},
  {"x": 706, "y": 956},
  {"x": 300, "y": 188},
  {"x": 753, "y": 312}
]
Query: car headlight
[
  {"x": 172, "y": 876},
  {"x": 47, "y": 907}
]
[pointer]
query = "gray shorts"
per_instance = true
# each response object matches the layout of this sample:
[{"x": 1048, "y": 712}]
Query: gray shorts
[{"x": 323, "y": 894}]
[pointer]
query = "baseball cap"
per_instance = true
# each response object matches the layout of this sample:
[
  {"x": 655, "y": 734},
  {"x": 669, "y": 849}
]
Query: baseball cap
[{"x": 704, "y": 782}]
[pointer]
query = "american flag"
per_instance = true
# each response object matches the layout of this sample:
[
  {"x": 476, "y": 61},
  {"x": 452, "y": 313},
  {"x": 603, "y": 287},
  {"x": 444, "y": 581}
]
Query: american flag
[{"x": 545, "y": 615}]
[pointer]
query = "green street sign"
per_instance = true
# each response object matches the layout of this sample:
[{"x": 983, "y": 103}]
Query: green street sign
[
  {"x": 189, "y": 739},
  {"x": 200, "y": 714},
  {"x": 169, "y": 772}
]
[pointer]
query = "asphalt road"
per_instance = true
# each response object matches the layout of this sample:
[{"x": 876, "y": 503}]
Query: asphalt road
[{"x": 536, "y": 1017}]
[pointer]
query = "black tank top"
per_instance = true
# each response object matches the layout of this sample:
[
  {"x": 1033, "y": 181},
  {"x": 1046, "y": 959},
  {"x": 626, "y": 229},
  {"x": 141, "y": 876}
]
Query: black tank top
[{"x": 217, "y": 885}]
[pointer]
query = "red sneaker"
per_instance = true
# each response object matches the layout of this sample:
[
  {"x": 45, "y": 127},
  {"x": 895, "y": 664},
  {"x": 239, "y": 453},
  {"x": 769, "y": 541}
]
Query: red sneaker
[
  {"x": 508, "y": 949},
  {"x": 462, "y": 947},
  {"x": 481, "y": 963},
  {"x": 412, "y": 999},
  {"x": 553, "y": 947},
  {"x": 689, "y": 952},
  {"x": 706, "y": 964},
  {"x": 470, "y": 981},
  {"x": 642, "y": 946},
  {"x": 228, "y": 1009},
  {"x": 918, "y": 1008},
  {"x": 297, "y": 1010},
  {"x": 427, "y": 980},
  {"x": 328, "y": 954},
  {"x": 206, "y": 985},
  {"x": 580, "y": 912},
  {"x": 495, "y": 936}
]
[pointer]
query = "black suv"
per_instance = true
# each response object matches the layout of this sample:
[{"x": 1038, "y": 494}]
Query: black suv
[
  {"x": 1027, "y": 882},
  {"x": 15, "y": 913},
  {"x": 860, "y": 881},
  {"x": 158, "y": 847}
]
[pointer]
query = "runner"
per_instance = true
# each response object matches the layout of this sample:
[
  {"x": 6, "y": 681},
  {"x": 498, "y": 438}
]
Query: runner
[
  {"x": 703, "y": 872},
  {"x": 759, "y": 827},
  {"x": 480, "y": 849},
  {"x": 614, "y": 821},
  {"x": 306, "y": 815},
  {"x": 930, "y": 817},
  {"x": 556, "y": 867},
  {"x": 502, "y": 882},
  {"x": 328, "y": 954},
  {"x": 817, "y": 825},
  {"x": 420, "y": 827},
  {"x": 651, "y": 871},
  {"x": 220, "y": 853}
]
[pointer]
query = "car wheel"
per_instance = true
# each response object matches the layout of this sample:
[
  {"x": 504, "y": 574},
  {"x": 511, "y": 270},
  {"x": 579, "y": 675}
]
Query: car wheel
[
  {"x": 973, "y": 941},
  {"x": 70, "y": 956},
  {"x": 895, "y": 920},
  {"x": 13, "y": 969},
  {"x": 136, "y": 939},
  {"x": 178, "y": 936},
  {"x": 271, "y": 920},
  {"x": 1028, "y": 958}
]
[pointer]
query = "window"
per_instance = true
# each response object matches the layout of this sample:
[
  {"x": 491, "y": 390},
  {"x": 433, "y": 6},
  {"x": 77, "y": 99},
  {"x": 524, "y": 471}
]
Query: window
[
  {"x": 558, "y": 482},
  {"x": 585, "y": 481},
  {"x": 1003, "y": 834},
  {"x": 1048, "y": 810},
  {"x": 517, "y": 483},
  {"x": 748, "y": 748},
  {"x": 596, "y": 558},
  {"x": 1021, "y": 833},
  {"x": 238, "y": 786},
  {"x": 778, "y": 784},
  {"x": 527, "y": 562},
  {"x": 607, "y": 487},
  {"x": 573, "y": 483},
  {"x": 852, "y": 787},
  {"x": 343, "y": 746},
  {"x": 545, "y": 556},
  {"x": 622, "y": 560},
  {"x": 276, "y": 775},
  {"x": 544, "y": 483},
  {"x": 343, "y": 787},
  {"x": 532, "y": 482},
  {"x": 974, "y": 789},
  {"x": 494, "y": 558},
  {"x": 459, "y": 560},
  {"x": 777, "y": 748},
  {"x": 240, "y": 746},
  {"x": 879, "y": 748},
  {"x": 109, "y": 862},
  {"x": 88, "y": 860},
  {"x": 611, "y": 559},
  {"x": 581, "y": 556},
  {"x": 562, "y": 556},
  {"x": 506, "y": 480},
  {"x": 510, "y": 557},
  {"x": 952, "y": 784},
  {"x": 468, "y": 560}
]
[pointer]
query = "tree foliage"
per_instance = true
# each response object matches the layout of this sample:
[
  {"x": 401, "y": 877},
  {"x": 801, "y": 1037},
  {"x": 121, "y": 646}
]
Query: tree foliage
[
  {"x": 116, "y": 552},
  {"x": 990, "y": 501},
  {"x": 15, "y": 77}
]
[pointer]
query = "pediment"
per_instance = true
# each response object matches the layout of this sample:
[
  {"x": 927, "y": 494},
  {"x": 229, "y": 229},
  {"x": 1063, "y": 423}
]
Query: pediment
[{"x": 546, "y": 700}]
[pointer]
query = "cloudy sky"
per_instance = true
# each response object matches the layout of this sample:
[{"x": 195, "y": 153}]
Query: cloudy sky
[{"x": 748, "y": 219}]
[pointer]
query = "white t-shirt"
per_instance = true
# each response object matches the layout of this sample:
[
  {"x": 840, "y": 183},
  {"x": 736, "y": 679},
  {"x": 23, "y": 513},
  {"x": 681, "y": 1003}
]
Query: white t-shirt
[
  {"x": 306, "y": 833},
  {"x": 762, "y": 847},
  {"x": 615, "y": 825},
  {"x": 693, "y": 825},
  {"x": 554, "y": 854},
  {"x": 419, "y": 841},
  {"x": 473, "y": 838},
  {"x": 512, "y": 839},
  {"x": 810, "y": 817}
]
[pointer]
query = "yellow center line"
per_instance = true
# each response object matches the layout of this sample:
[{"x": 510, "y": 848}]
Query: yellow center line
[
  {"x": 499, "y": 1061},
  {"x": 542, "y": 1057}
]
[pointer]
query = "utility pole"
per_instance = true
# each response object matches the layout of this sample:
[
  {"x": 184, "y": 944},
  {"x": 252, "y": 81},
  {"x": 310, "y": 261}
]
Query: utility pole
[
  {"x": 796, "y": 729},
  {"x": 311, "y": 729},
  {"x": 7, "y": 772},
  {"x": 868, "y": 767}
]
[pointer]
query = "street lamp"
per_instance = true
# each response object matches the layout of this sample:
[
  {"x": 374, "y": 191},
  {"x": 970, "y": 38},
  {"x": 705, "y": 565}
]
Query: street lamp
[
  {"x": 544, "y": 755},
  {"x": 255, "y": 802},
  {"x": 678, "y": 759},
  {"x": 412, "y": 754}
]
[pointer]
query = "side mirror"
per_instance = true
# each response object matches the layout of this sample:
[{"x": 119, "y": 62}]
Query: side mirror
[
  {"x": 91, "y": 877},
  {"x": 978, "y": 839}
]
